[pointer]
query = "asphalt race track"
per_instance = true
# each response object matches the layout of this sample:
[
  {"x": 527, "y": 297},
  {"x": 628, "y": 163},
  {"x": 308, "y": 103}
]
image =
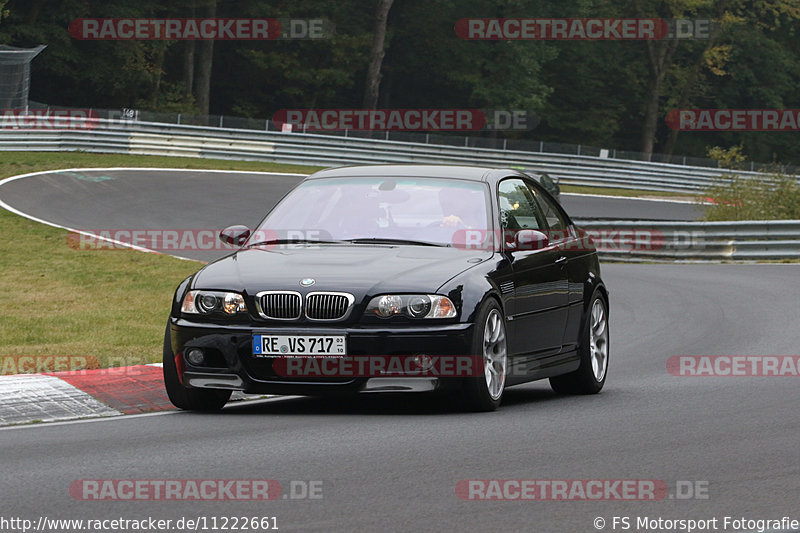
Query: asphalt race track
[
  {"x": 392, "y": 463},
  {"x": 580, "y": 206},
  {"x": 145, "y": 200},
  {"x": 169, "y": 199}
]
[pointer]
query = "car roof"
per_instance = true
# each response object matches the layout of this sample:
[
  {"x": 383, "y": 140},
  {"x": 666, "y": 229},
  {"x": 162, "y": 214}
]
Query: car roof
[{"x": 428, "y": 171}]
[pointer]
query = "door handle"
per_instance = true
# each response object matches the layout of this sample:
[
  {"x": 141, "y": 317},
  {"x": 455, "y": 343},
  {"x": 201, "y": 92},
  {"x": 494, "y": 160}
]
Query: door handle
[{"x": 561, "y": 261}]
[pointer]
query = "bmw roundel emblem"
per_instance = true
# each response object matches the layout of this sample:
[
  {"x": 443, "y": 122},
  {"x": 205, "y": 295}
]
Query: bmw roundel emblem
[{"x": 307, "y": 282}]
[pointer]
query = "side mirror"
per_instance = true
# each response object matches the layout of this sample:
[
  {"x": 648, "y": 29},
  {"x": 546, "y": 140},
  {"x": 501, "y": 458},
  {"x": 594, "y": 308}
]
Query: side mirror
[
  {"x": 234, "y": 235},
  {"x": 530, "y": 239}
]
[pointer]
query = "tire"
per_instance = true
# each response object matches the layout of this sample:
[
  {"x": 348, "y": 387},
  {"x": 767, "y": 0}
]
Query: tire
[
  {"x": 186, "y": 398},
  {"x": 593, "y": 348},
  {"x": 484, "y": 393}
]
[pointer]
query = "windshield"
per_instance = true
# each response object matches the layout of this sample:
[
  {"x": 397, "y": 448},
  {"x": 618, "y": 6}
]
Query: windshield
[{"x": 425, "y": 210}]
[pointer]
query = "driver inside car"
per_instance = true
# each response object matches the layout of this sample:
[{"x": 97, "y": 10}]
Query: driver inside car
[{"x": 459, "y": 208}]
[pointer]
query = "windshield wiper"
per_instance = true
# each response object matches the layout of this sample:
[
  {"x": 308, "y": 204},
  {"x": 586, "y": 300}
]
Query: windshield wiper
[
  {"x": 386, "y": 240},
  {"x": 291, "y": 241}
]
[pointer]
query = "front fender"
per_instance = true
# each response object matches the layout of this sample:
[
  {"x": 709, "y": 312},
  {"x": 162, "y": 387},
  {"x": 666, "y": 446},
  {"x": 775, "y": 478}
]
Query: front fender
[
  {"x": 470, "y": 290},
  {"x": 180, "y": 293}
]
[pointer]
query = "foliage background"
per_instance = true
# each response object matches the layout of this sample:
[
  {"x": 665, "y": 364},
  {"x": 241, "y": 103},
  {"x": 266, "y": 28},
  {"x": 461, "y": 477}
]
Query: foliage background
[{"x": 613, "y": 94}]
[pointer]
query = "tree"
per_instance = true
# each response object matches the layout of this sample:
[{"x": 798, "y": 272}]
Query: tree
[
  {"x": 372, "y": 86},
  {"x": 429, "y": 66},
  {"x": 406, "y": 54},
  {"x": 188, "y": 58},
  {"x": 206, "y": 62},
  {"x": 660, "y": 53},
  {"x": 3, "y": 10}
]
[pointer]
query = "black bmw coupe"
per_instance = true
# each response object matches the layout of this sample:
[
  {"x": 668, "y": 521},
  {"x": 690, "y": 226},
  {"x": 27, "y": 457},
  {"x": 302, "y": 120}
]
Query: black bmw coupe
[{"x": 391, "y": 279}]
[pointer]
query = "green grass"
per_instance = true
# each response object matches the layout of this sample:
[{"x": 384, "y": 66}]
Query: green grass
[
  {"x": 764, "y": 198},
  {"x": 15, "y": 163},
  {"x": 628, "y": 193},
  {"x": 108, "y": 305},
  {"x": 62, "y": 301}
]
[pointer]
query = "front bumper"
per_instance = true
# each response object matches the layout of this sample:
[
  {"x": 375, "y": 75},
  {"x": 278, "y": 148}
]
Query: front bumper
[{"x": 231, "y": 364}]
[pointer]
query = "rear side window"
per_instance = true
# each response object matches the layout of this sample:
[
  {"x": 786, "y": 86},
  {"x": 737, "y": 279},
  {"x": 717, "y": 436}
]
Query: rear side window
[{"x": 555, "y": 220}]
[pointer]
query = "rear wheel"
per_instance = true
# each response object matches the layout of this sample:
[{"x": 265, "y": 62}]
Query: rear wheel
[
  {"x": 485, "y": 392},
  {"x": 184, "y": 397},
  {"x": 591, "y": 374}
]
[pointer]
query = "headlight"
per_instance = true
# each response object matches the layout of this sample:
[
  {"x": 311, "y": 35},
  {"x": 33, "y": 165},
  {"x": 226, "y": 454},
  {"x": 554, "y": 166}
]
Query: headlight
[
  {"x": 208, "y": 302},
  {"x": 412, "y": 306}
]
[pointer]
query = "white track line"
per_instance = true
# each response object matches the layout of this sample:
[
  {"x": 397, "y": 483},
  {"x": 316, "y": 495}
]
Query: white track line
[
  {"x": 664, "y": 200},
  {"x": 28, "y": 397},
  {"x": 116, "y": 169},
  {"x": 159, "y": 169},
  {"x": 125, "y": 417}
]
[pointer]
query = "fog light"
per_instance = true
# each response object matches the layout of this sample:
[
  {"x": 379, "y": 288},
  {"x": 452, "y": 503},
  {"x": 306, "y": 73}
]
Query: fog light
[
  {"x": 195, "y": 356},
  {"x": 422, "y": 362}
]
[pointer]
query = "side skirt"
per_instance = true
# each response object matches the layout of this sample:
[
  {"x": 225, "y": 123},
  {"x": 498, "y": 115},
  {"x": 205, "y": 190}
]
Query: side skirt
[{"x": 532, "y": 369}]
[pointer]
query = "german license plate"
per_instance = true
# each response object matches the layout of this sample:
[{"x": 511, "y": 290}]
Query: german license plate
[{"x": 299, "y": 345}]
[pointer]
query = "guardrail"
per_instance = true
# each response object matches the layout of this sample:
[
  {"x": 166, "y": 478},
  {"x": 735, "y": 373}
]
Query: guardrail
[
  {"x": 478, "y": 139},
  {"x": 148, "y": 138},
  {"x": 642, "y": 240}
]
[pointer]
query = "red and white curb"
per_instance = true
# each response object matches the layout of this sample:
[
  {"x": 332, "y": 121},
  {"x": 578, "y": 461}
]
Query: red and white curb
[
  {"x": 36, "y": 397},
  {"x": 59, "y": 396},
  {"x": 104, "y": 392}
]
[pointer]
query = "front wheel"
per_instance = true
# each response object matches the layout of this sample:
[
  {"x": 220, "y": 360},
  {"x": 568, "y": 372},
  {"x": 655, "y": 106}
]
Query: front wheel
[
  {"x": 485, "y": 392},
  {"x": 593, "y": 350},
  {"x": 186, "y": 398}
]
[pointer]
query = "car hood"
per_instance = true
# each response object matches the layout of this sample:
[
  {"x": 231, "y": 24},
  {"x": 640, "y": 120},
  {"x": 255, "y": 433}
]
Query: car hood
[{"x": 358, "y": 269}]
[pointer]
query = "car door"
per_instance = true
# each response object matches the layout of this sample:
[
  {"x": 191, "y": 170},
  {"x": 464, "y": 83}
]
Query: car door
[
  {"x": 564, "y": 236},
  {"x": 540, "y": 292}
]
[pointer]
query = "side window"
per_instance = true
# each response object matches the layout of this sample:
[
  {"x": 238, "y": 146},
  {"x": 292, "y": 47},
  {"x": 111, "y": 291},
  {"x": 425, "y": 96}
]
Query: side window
[
  {"x": 518, "y": 208},
  {"x": 555, "y": 220}
]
